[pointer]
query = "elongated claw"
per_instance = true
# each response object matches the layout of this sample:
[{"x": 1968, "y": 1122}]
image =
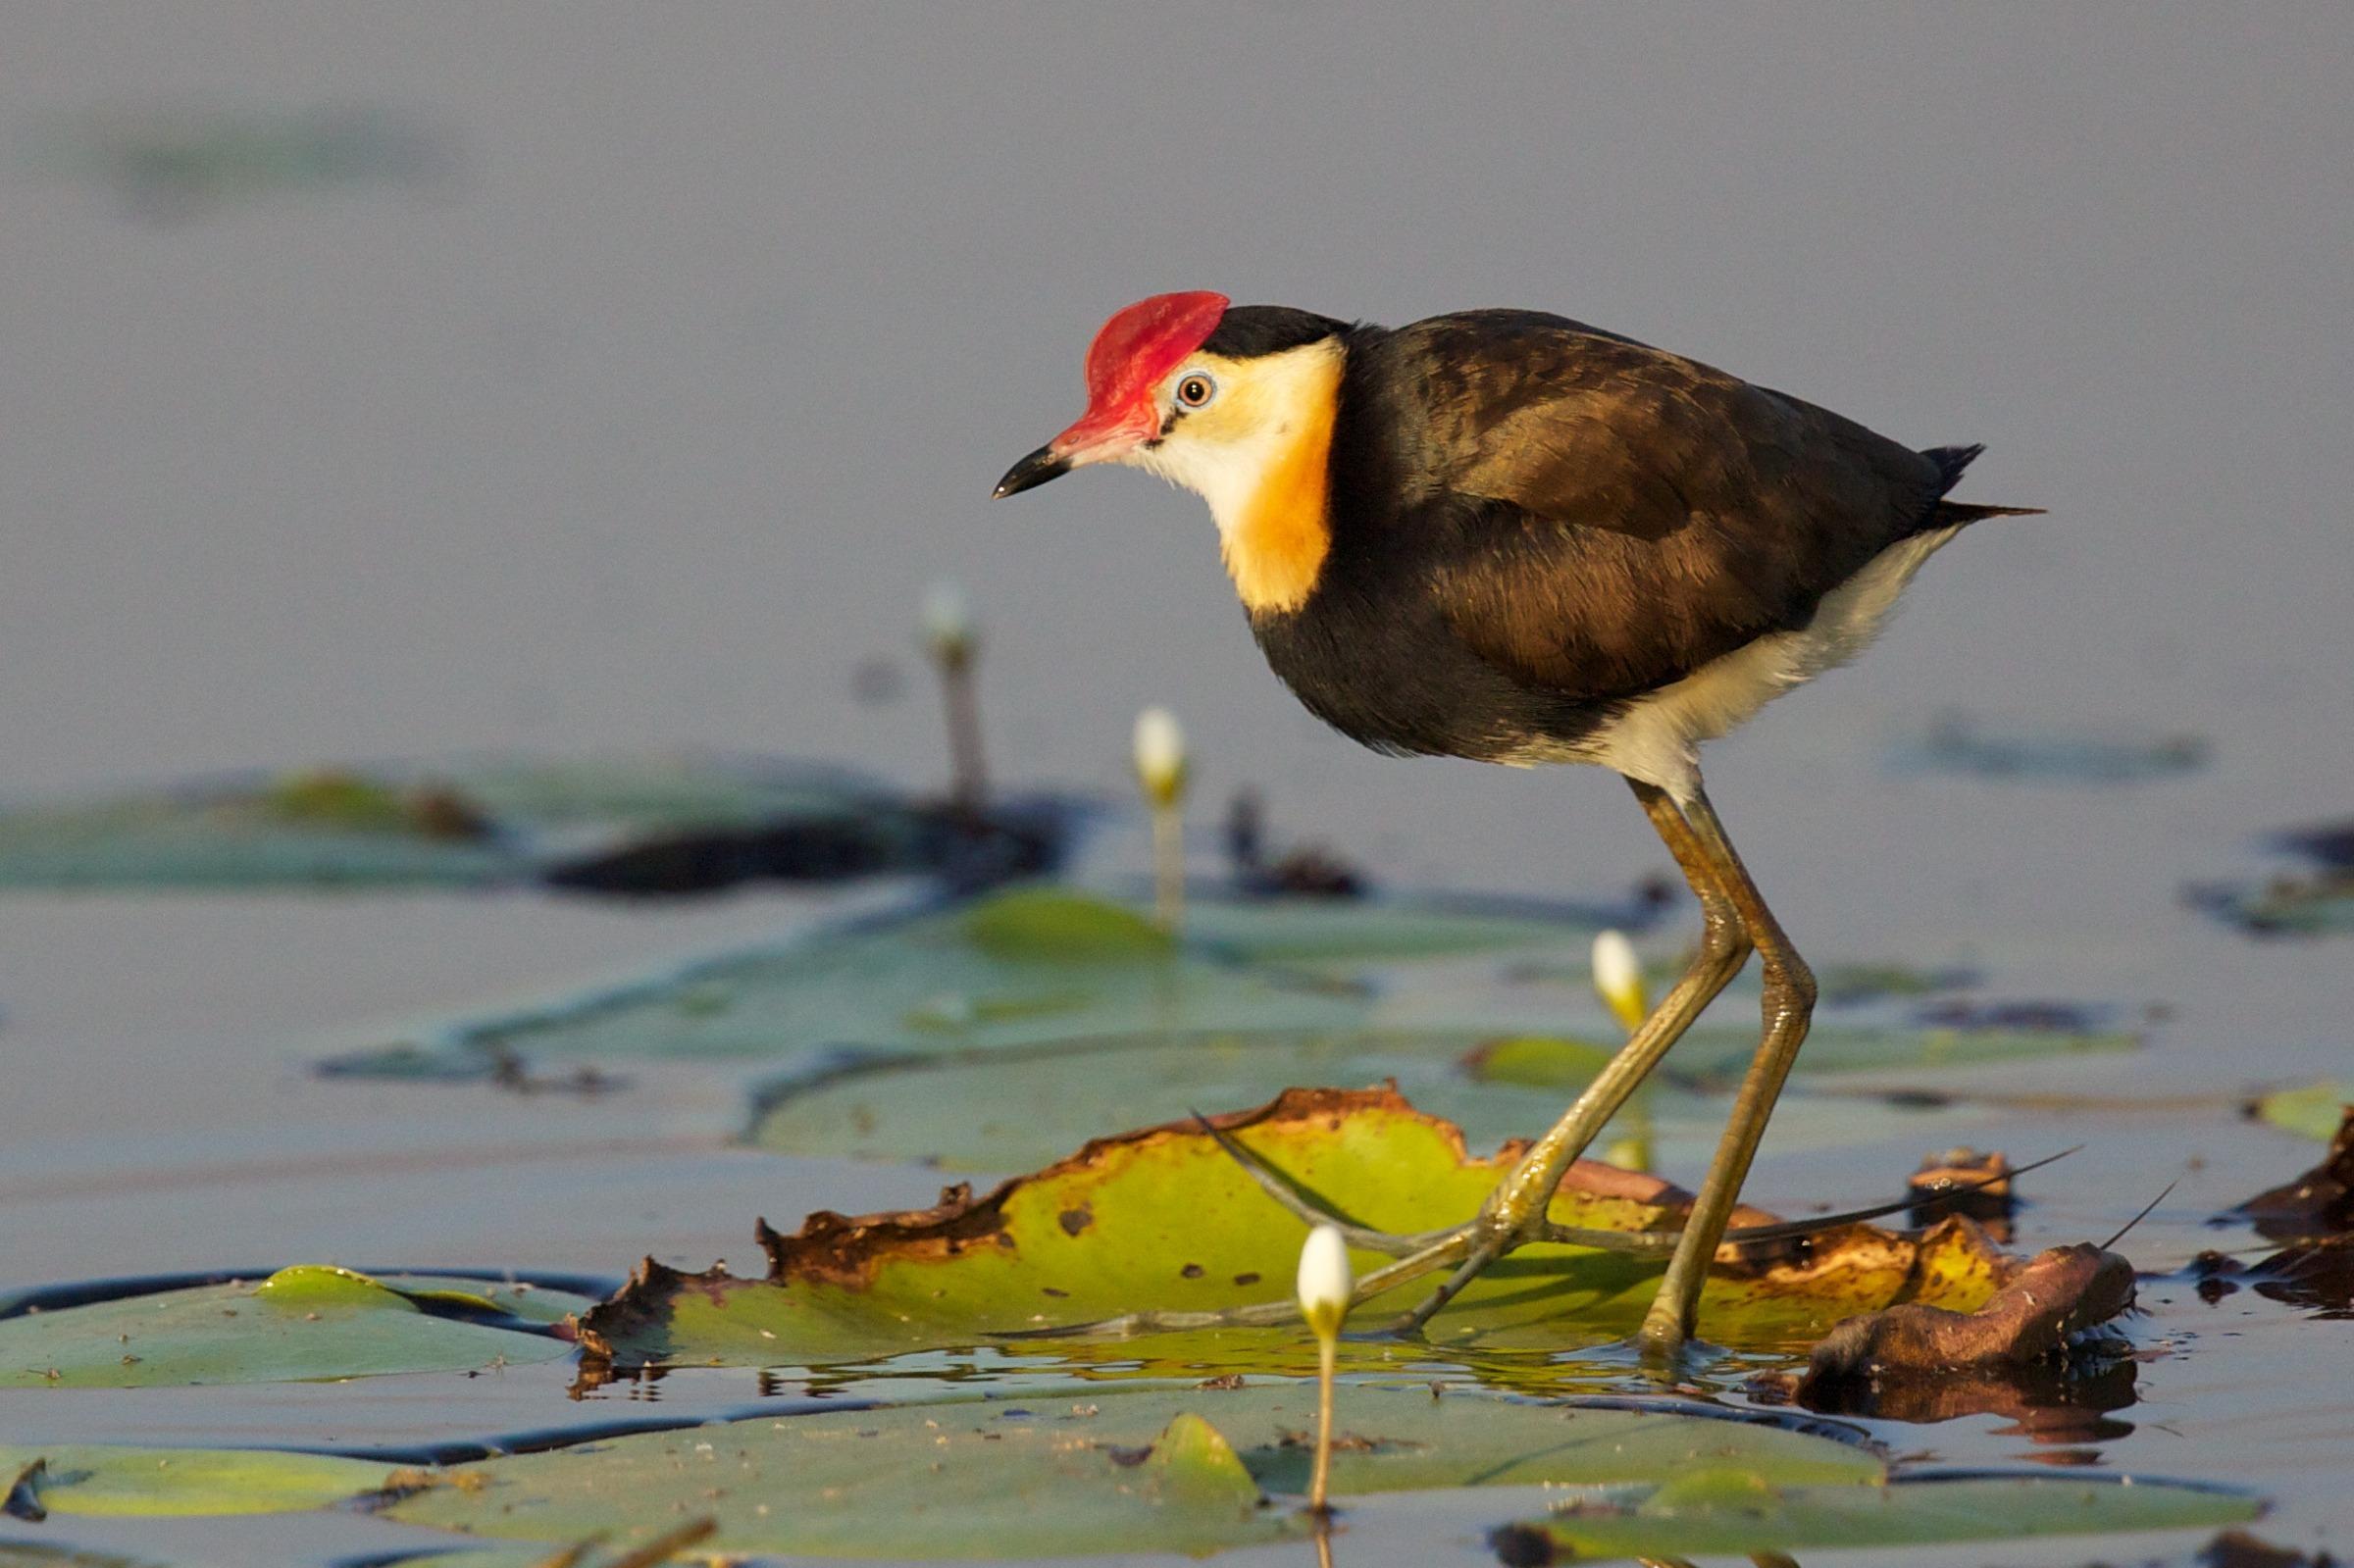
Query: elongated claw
[{"x": 1662, "y": 1241}]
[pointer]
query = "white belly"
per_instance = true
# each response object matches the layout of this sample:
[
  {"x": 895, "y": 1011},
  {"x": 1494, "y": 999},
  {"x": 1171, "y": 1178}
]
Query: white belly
[{"x": 1658, "y": 739}]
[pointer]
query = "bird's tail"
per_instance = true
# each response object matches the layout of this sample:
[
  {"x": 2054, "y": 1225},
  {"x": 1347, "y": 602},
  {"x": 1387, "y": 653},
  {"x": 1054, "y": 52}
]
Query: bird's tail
[{"x": 1951, "y": 461}]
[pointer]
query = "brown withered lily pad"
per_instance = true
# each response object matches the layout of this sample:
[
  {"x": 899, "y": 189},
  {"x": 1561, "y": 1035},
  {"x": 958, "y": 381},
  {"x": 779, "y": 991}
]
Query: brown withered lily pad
[
  {"x": 1918, "y": 1361},
  {"x": 1166, "y": 1220},
  {"x": 2320, "y": 1202}
]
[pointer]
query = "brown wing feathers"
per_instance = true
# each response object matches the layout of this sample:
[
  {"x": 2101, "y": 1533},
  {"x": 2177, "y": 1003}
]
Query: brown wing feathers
[{"x": 1623, "y": 515}]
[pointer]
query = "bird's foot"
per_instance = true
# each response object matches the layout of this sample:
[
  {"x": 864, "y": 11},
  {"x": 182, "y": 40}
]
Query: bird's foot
[{"x": 1500, "y": 1229}]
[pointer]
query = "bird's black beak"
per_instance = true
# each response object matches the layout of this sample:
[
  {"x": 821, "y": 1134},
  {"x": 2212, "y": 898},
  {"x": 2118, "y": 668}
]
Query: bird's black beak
[{"x": 1031, "y": 472}]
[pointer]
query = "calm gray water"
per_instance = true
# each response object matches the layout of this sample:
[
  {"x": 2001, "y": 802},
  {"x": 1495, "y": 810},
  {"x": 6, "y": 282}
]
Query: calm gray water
[{"x": 637, "y": 408}]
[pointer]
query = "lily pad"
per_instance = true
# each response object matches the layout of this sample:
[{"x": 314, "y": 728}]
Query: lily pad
[
  {"x": 2284, "y": 906},
  {"x": 305, "y": 1323},
  {"x": 2314, "y": 1112},
  {"x": 1010, "y": 1109},
  {"x": 1715, "y": 1056},
  {"x": 1165, "y": 1219},
  {"x": 31, "y": 1555},
  {"x": 1021, "y": 967},
  {"x": 2073, "y": 754},
  {"x": 465, "y": 824},
  {"x": 1160, "y": 1470},
  {"x": 1341, "y": 932},
  {"x": 100, "y": 1481},
  {"x": 1738, "y": 1511}
]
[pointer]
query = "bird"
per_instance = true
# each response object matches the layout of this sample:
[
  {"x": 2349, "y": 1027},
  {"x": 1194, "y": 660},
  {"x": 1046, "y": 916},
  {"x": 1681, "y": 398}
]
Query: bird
[{"x": 1506, "y": 535}]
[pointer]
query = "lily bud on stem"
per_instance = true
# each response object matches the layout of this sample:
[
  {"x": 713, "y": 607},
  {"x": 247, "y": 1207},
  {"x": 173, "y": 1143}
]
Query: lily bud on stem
[
  {"x": 1619, "y": 980},
  {"x": 954, "y": 647},
  {"x": 1325, "y": 1285},
  {"x": 1161, "y": 772}
]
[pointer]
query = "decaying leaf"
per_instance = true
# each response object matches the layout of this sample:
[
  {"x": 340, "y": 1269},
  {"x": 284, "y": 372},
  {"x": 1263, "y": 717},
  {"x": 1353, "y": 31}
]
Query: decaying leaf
[
  {"x": 1903, "y": 1360},
  {"x": 2240, "y": 1548},
  {"x": 2320, "y": 1202},
  {"x": 1963, "y": 1181},
  {"x": 1164, "y": 1219},
  {"x": 2312, "y": 1274}
]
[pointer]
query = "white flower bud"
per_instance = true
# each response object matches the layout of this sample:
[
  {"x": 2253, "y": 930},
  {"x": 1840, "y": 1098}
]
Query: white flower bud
[
  {"x": 1619, "y": 978},
  {"x": 947, "y": 621},
  {"x": 1325, "y": 1281},
  {"x": 1159, "y": 756}
]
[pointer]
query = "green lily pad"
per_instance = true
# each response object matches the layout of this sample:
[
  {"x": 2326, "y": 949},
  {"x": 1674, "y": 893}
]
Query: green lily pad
[
  {"x": 2313, "y": 1111},
  {"x": 1338, "y": 932},
  {"x": 99, "y": 1481},
  {"x": 305, "y": 1323},
  {"x": 1012, "y": 1108},
  {"x": 1165, "y": 1219},
  {"x": 1023, "y": 967},
  {"x": 465, "y": 824},
  {"x": 1739, "y": 1511},
  {"x": 1716, "y": 1056},
  {"x": 1159, "y": 1470}
]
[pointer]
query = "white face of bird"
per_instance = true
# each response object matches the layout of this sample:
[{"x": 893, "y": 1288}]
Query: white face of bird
[
  {"x": 1245, "y": 434},
  {"x": 1252, "y": 434}
]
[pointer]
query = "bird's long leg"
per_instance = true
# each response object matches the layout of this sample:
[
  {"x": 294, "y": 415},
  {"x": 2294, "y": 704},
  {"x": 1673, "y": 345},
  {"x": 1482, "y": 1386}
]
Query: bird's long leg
[
  {"x": 1515, "y": 1211},
  {"x": 1789, "y": 1005}
]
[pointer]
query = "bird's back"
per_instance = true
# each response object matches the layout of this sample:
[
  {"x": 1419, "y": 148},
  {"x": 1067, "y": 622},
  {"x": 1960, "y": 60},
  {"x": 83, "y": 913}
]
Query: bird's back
[{"x": 1536, "y": 523}]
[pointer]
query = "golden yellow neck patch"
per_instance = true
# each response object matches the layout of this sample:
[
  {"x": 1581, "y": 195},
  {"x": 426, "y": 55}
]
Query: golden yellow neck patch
[{"x": 1275, "y": 544}]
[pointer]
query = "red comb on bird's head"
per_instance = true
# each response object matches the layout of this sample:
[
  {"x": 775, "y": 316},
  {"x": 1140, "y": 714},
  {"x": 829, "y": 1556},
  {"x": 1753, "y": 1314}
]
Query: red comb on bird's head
[
  {"x": 1141, "y": 344},
  {"x": 1134, "y": 353},
  {"x": 1131, "y": 354}
]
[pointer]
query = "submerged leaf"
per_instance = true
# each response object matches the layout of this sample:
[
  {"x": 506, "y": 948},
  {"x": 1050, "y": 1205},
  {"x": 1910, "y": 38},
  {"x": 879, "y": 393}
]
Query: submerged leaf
[
  {"x": 2075, "y": 754},
  {"x": 1165, "y": 1219},
  {"x": 1713, "y": 1055},
  {"x": 92, "y": 1479},
  {"x": 305, "y": 1323},
  {"x": 1731, "y": 1515},
  {"x": 1337, "y": 933},
  {"x": 1160, "y": 1470},
  {"x": 1007, "y": 1109},
  {"x": 1019, "y": 967}
]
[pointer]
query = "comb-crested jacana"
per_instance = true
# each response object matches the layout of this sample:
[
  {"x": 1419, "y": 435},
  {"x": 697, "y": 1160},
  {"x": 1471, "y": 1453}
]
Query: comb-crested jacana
[{"x": 1510, "y": 537}]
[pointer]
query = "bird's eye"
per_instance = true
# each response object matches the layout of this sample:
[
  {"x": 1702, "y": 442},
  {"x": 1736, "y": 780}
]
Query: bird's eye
[{"x": 1195, "y": 390}]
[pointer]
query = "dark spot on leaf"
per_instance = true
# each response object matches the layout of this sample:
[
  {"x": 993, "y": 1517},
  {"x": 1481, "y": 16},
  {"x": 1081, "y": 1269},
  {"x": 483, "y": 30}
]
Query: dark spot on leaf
[
  {"x": 1521, "y": 1546},
  {"x": 1048, "y": 1290},
  {"x": 1245, "y": 1279},
  {"x": 1192, "y": 1271},
  {"x": 1075, "y": 1220},
  {"x": 1130, "y": 1458},
  {"x": 2237, "y": 1549}
]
